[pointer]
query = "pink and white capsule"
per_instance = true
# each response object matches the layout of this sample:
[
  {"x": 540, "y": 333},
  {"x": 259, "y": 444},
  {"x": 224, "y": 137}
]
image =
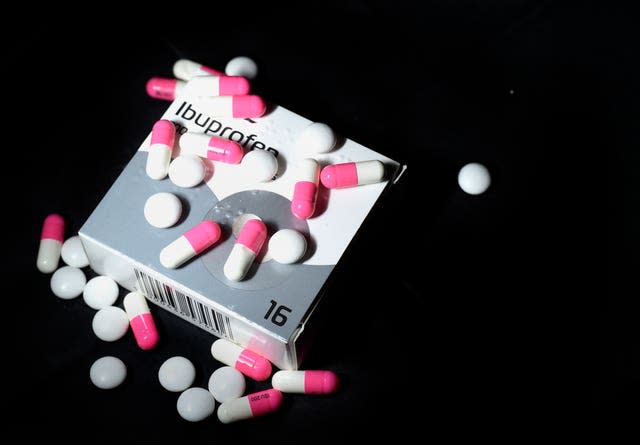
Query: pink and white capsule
[
  {"x": 217, "y": 86},
  {"x": 247, "y": 407},
  {"x": 305, "y": 191},
  {"x": 141, "y": 321},
  {"x": 186, "y": 69},
  {"x": 163, "y": 136},
  {"x": 244, "y": 360},
  {"x": 305, "y": 382},
  {"x": 211, "y": 147},
  {"x": 352, "y": 174},
  {"x": 51, "y": 240},
  {"x": 247, "y": 247},
  {"x": 193, "y": 242},
  {"x": 240, "y": 107},
  {"x": 164, "y": 89}
]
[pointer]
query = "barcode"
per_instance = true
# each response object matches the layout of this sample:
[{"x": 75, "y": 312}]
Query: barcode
[{"x": 180, "y": 303}]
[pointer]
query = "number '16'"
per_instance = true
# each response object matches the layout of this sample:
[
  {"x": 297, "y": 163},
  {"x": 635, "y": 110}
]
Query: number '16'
[{"x": 278, "y": 318}]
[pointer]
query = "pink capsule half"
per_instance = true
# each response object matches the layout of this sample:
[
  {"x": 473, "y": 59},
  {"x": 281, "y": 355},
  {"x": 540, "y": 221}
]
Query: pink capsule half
[
  {"x": 51, "y": 239},
  {"x": 352, "y": 174},
  {"x": 193, "y": 242},
  {"x": 250, "y": 240},
  {"x": 186, "y": 69},
  {"x": 211, "y": 147},
  {"x": 163, "y": 88},
  {"x": 141, "y": 321},
  {"x": 305, "y": 192},
  {"x": 224, "y": 150},
  {"x": 247, "y": 407}
]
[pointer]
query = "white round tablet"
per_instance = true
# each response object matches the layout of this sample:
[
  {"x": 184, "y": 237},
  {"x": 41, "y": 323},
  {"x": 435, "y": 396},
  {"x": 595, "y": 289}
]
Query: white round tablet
[
  {"x": 100, "y": 292},
  {"x": 68, "y": 282},
  {"x": 162, "y": 210},
  {"x": 316, "y": 138},
  {"x": 259, "y": 165},
  {"x": 287, "y": 246},
  {"x": 108, "y": 372},
  {"x": 73, "y": 253},
  {"x": 241, "y": 66},
  {"x": 176, "y": 374},
  {"x": 474, "y": 178},
  {"x": 186, "y": 171},
  {"x": 110, "y": 323},
  {"x": 226, "y": 383},
  {"x": 196, "y": 404}
]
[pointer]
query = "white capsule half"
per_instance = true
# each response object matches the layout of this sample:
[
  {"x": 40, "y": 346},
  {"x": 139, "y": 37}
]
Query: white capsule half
[
  {"x": 186, "y": 69},
  {"x": 176, "y": 253},
  {"x": 48, "y": 255},
  {"x": 239, "y": 262},
  {"x": 158, "y": 161}
]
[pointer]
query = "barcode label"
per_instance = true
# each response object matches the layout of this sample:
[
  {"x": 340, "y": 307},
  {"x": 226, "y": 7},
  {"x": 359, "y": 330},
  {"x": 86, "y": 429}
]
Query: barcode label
[{"x": 180, "y": 303}]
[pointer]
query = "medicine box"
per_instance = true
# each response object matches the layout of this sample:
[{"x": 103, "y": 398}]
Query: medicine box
[{"x": 269, "y": 310}]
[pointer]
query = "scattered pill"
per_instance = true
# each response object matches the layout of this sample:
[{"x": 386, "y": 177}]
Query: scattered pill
[
  {"x": 142, "y": 324},
  {"x": 163, "y": 136},
  {"x": 211, "y": 147},
  {"x": 244, "y": 360},
  {"x": 196, "y": 404},
  {"x": 226, "y": 383},
  {"x": 186, "y": 171},
  {"x": 351, "y": 174},
  {"x": 241, "y": 66},
  {"x": 110, "y": 323},
  {"x": 51, "y": 240},
  {"x": 241, "y": 107},
  {"x": 176, "y": 374},
  {"x": 192, "y": 243},
  {"x": 316, "y": 138},
  {"x": 68, "y": 282},
  {"x": 217, "y": 86},
  {"x": 164, "y": 89},
  {"x": 108, "y": 372},
  {"x": 474, "y": 178},
  {"x": 100, "y": 292},
  {"x": 73, "y": 253},
  {"x": 305, "y": 191},
  {"x": 287, "y": 246},
  {"x": 306, "y": 382},
  {"x": 247, "y": 247},
  {"x": 162, "y": 210},
  {"x": 253, "y": 405},
  {"x": 260, "y": 165},
  {"x": 185, "y": 69}
]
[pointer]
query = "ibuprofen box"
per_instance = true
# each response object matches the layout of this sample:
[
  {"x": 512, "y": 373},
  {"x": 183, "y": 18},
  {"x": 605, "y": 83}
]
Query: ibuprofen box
[{"x": 269, "y": 310}]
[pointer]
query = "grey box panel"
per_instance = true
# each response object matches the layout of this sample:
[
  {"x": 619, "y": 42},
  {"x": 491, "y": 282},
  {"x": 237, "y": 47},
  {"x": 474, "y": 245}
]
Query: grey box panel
[{"x": 121, "y": 211}]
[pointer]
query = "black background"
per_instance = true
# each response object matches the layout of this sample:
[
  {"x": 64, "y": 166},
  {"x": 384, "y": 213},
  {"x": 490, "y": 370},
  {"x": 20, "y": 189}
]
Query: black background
[{"x": 464, "y": 286}]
